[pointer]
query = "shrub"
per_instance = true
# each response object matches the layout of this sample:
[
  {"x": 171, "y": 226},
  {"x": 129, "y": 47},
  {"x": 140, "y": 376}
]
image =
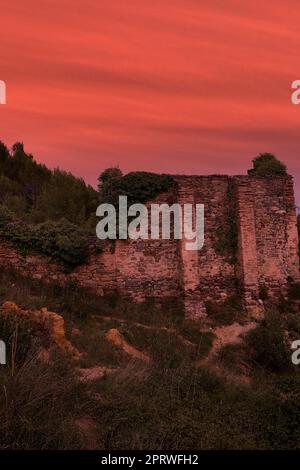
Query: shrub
[
  {"x": 266, "y": 164},
  {"x": 263, "y": 292},
  {"x": 230, "y": 356},
  {"x": 6, "y": 216},
  {"x": 268, "y": 345},
  {"x": 139, "y": 187},
  {"x": 61, "y": 241},
  {"x": 181, "y": 408},
  {"x": 142, "y": 186},
  {"x": 294, "y": 291},
  {"x": 191, "y": 331},
  {"x": 226, "y": 312},
  {"x": 167, "y": 348}
]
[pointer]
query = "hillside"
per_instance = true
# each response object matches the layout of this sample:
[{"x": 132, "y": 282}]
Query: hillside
[
  {"x": 144, "y": 377},
  {"x": 88, "y": 371}
]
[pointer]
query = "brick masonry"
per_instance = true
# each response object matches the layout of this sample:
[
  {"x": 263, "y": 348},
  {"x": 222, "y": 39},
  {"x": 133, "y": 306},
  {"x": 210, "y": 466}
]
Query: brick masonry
[{"x": 266, "y": 253}]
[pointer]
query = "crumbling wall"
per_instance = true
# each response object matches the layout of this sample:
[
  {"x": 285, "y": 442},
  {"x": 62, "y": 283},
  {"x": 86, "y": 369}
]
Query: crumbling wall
[
  {"x": 268, "y": 237},
  {"x": 149, "y": 268},
  {"x": 266, "y": 251},
  {"x": 207, "y": 274},
  {"x": 99, "y": 274}
]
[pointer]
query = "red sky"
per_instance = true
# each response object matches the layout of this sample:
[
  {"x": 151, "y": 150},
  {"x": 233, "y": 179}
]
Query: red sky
[{"x": 190, "y": 86}]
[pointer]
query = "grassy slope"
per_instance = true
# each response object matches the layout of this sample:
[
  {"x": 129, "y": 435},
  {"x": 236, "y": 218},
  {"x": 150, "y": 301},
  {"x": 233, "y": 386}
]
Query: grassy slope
[{"x": 168, "y": 404}]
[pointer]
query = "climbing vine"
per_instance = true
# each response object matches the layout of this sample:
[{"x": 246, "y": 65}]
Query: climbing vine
[{"x": 226, "y": 234}]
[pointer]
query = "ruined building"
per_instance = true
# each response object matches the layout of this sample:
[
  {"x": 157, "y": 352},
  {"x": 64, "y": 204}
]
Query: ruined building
[{"x": 254, "y": 216}]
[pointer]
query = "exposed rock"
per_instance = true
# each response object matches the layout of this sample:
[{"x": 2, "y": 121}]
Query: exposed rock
[
  {"x": 115, "y": 337},
  {"x": 50, "y": 323},
  {"x": 229, "y": 334}
]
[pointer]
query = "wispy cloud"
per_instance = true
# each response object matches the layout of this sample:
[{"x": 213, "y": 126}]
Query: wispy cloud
[{"x": 163, "y": 85}]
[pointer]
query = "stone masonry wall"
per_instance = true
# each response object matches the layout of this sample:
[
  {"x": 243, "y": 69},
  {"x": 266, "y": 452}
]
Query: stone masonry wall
[
  {"x": 266, "y": 254},
  {"x": 149, "y": 268},
  {"x": 268, "y": 251},
  {"x": 207, "y": 275}
]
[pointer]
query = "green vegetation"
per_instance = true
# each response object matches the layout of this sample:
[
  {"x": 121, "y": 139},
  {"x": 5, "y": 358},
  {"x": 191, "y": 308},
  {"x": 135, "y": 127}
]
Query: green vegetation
[
  {"x": 268, "y": 344},
  {"x": 294, "y": 291},
  {"x": 40, "y": 404},
  {"x": 263, "y": 292},
  {"x": 139, "y": 187},
  {"x": 194, "y": 409},
  {"x": 298, "y": 227},
  {"x": 226, "y": 312},
  {"x": 232, "y": 357},
  {"x": 43, "y": 211},
  {"x": 226, "y": 235},
  {"x": 266, "y": 164},
  {"x": 53, "y": 212},
  {"x": 60, "y": 241},
  {"x": 171, "y": 403},
  {"x": 31, "y": 191}
]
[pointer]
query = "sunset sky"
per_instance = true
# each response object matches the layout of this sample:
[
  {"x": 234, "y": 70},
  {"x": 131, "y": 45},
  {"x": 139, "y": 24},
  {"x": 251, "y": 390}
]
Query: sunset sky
[{"x": 179, "y": 86}]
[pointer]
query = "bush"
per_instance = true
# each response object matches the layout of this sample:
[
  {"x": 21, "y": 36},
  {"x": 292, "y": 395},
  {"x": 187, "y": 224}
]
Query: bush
[
  {"x": 294, "y": 291},
  {"x": 267, "y": 164},
  {"x": 263, "y": 292},
  {"x": 167, "y": 348},
  {"x": 62, "y": 241},
  {"x": 139, "y": 187},
  {"x": 268, "y": 344},
  {"x": 225, "y": 313},
  {"x": 6, "y": 216},
  {"x": 142, "y": 187}
]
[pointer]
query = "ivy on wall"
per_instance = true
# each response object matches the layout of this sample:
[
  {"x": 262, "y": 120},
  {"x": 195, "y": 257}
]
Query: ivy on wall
[
  {"x": 226, "y": 234},
  {"x": 138, "y": 186}
]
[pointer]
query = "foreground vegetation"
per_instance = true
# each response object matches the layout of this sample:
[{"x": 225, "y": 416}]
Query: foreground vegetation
[{"x": 173, "y": 402}]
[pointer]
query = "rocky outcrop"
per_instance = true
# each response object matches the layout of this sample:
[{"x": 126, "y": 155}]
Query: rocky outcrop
[
  {"x": 49, "y": 324},
  {"x": 115, "y": 337}
]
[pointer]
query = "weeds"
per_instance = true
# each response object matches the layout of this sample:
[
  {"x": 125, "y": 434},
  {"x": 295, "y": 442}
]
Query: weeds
[
  {"x": 226, "y": 312},
  {"x": 169, "y": 404}
]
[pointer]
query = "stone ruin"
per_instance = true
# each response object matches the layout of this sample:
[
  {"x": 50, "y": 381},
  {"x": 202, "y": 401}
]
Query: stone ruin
[{"x": 260, "y": 209}]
